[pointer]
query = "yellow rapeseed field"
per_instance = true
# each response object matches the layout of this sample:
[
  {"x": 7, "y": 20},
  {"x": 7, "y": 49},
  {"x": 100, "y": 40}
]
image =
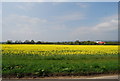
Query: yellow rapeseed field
[{"x": 59, "y": 49}]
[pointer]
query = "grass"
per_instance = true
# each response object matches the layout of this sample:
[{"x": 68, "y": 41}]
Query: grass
[{"x": 17, "y": 65}]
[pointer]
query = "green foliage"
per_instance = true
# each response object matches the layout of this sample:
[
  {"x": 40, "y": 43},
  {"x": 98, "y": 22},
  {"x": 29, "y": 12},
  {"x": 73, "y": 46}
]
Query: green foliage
[
  {"x": 9, "y": 42},
  {"x": 42, "y": 66},
  {"x": 77, "y": 42}
]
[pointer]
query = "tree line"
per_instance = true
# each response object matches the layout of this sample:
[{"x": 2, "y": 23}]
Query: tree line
[{"x": 77, "y": 42}]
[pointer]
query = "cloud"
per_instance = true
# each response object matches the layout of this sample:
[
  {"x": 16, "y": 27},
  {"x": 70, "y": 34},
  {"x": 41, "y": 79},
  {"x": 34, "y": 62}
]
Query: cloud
[
  {"x": 70, "y": 17},
  {"x": 56, "y": 3},
  {"x": 107, "y": 28},
  {"x": 17, "y": 19},
  {"x": 22, "y": 27},
  {"x": 108, "y": 24},
  {"x": 82, "y": 5},
  {"x": 26, "y": 6}
]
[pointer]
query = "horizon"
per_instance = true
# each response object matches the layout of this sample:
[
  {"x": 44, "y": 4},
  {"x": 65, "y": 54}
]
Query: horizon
[{"x": 61, "y": 41}]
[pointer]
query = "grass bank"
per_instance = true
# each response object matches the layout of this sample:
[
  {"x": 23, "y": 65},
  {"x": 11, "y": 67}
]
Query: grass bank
[{"x": 29, "y": 65}]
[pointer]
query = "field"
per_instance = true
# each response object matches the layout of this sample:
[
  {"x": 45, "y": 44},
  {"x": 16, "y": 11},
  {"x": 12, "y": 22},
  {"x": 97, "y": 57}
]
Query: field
[{"x": 58, "y": 60}]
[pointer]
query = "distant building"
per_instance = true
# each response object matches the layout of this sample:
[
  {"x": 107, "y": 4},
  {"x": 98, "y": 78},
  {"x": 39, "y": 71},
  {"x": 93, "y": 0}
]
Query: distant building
[{"x": 100, "y": 42}]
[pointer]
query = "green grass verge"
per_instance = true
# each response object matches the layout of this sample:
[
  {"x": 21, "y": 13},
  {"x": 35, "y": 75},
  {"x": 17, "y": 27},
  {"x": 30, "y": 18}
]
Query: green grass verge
[{"x": 58, "y": 65}]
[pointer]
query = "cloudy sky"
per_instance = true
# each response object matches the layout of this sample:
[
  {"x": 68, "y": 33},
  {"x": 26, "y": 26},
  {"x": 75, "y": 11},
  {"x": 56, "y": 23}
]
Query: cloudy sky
[{"x": 59, "y": 21}]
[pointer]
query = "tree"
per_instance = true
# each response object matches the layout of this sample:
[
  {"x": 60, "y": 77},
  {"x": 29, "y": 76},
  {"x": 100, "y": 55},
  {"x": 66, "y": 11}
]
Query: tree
[
  {"x": 32, "y": 42},
  {"x": 77, "y": 42},
  {"x": 26, "y": 42},
  {"x": 18, "y": 42},
  {"x": 9, "y": 42},
  {"x": 38, "y": 42}
]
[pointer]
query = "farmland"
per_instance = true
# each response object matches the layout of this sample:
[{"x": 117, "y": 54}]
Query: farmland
[{"x": 58, "y": 60}]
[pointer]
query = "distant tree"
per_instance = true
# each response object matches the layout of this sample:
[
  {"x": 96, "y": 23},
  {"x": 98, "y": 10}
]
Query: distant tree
[
  {"x": 112, "y": 43},
  {"x": 77, "y": 42},
  {"x": 9, "y": 42},
  {"x": 88, "y": 43},
  {"x": 65, "y": 43},
  {"x": 38, "y": 42},
  {"x": 26, "y": 42},
  {"x": 32, "y": 42},
  {"x": 56, "y": 42},
  {"x": 70, "y": 43},
  {"x": 18, "y": 42}
]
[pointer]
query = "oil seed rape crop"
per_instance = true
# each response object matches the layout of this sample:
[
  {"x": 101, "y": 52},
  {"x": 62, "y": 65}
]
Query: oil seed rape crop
[{"x": 47, "y": 50}]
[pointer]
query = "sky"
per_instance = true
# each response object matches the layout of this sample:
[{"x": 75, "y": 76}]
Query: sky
[
  {"x": 59, "y": 21},
  {"x": 60, "y": 0}
]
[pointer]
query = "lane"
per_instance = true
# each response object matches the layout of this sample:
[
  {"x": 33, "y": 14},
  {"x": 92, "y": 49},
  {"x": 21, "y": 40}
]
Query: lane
[
  {"x": 99, "y": 78},
  {"x": 67, "y": 80},
  {"x": 105, "y": 77}
]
